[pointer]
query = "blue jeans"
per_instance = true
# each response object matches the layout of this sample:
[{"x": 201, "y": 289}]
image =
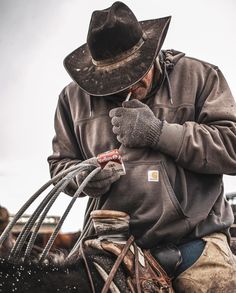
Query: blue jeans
[{"x": 190, "y": 252}]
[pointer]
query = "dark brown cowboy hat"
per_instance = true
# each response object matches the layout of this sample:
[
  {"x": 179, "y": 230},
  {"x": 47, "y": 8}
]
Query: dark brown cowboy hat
[{"x": 119, "y": 50}]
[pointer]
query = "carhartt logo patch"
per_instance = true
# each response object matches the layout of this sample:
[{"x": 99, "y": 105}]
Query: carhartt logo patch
[{"x": 153, "y": 175}]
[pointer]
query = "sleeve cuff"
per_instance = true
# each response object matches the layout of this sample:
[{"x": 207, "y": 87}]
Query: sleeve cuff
[{"x": 170, "y": 140}]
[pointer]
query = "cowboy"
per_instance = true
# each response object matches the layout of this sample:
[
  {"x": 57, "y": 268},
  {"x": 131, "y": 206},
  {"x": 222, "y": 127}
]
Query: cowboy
[{"x": 177, "y": 137}]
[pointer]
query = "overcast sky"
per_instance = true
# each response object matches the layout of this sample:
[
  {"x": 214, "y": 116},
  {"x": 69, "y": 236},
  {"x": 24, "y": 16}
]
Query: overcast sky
[{"x": 35, "y": 36}]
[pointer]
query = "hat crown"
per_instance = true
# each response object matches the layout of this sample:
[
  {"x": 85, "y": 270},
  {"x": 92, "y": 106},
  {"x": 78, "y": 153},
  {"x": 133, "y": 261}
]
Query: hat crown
[{"x": 112, "y": 31}]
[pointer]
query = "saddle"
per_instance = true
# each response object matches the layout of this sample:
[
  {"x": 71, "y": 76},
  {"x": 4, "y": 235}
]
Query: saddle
[{"x": 144, "y": 273}]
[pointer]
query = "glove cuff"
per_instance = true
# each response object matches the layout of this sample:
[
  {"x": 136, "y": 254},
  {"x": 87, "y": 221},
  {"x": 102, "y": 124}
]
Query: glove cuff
[{"x": 155, "y": 132}]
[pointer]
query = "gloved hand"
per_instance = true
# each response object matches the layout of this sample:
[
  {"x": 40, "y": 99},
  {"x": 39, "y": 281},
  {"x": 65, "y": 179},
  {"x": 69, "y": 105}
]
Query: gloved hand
[
  {"x": 100, "y": 183},
  {"x": 136, "y": 125}
]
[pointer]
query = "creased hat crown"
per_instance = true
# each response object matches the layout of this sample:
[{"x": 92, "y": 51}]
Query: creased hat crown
[{"x": 113, "y": 31}]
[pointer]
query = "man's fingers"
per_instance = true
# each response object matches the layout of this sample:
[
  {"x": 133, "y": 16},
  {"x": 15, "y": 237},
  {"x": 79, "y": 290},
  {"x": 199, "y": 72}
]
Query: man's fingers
[
  {"x": 102, "y": 175},
  {"x": 96, "y": 192},
  {"x": 116, "y": 112},
  {"x": 82, "y": 175},
  {"x": 119, "y": 138},
  {"x": 101, "y": 184},
  {"x": 116, "y": 130},
  {"x": 115, "y": 177},
  {"x": 133, "y": 104},
  {"x": 115, "y": 121},
  {"x": 91, "y": 163},
  {"x": 99, "y": 188}
]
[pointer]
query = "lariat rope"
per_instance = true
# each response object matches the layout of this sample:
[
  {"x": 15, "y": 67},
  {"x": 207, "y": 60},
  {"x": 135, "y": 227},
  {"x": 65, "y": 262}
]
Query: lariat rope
[
  {"x": 41, "y": 211},
  {"x": 36, "y": 219}
]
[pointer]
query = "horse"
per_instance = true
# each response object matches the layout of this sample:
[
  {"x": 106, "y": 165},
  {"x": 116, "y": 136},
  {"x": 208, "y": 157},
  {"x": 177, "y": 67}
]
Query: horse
[{"x": 59, "y": 274}]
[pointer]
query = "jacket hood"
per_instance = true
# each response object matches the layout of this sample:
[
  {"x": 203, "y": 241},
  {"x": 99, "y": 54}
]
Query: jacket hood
[
  {"x": 171, "y": 56},
  {"x": 168, "y": 59}
]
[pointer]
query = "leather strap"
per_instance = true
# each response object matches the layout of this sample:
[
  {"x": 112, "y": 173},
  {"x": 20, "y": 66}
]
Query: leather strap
[
  {"x": 117, "y": 264},
  {"x": 136, "y": 260},
  {"x": 86, "y": 262},
  {"x": 162, "y": 277}
]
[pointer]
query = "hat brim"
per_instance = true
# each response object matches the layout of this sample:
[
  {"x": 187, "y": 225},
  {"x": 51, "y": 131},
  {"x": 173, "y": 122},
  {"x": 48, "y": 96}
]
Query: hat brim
[{"x": 110, "y": 79}]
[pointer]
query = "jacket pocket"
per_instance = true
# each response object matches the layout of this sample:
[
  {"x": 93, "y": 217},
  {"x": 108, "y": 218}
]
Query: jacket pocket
[{"x": 145, "y": 193}]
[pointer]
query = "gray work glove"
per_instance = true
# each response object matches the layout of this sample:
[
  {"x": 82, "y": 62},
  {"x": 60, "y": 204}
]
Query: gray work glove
[
  {"x": 101, "y": 182},
  {"x": 136, "y": 125}
]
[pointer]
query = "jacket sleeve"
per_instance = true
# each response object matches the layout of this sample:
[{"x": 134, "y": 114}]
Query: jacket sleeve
[
  {"x": 208, "y": 144},
  {"x": 66, "y": 151}
]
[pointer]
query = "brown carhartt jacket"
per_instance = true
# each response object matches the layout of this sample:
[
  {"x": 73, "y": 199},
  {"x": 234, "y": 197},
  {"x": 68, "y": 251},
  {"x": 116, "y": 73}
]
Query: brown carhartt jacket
[{"x": 197, "y": 146}]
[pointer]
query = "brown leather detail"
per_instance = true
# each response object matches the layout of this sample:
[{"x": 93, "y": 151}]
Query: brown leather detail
[
  {"x": 117, "y": 264},
  {"x": 130, "y": 285},
  {"x": 93, "y": 243},
  {"x": 108, "y": 214},
  {"x": 155, "y": 265},
  {"x": 136, "y": 263},
  {"x": 150, "y": 278},
  {"x": 116, "y": 249},
  {"x": 82, "y": 245},
  {"x": 161, "y": 277},
  {"x": 147, "y": 279}
]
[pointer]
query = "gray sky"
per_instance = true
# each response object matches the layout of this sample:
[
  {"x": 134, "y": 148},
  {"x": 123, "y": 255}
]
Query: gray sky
[{"x": 35, "y": 36}]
